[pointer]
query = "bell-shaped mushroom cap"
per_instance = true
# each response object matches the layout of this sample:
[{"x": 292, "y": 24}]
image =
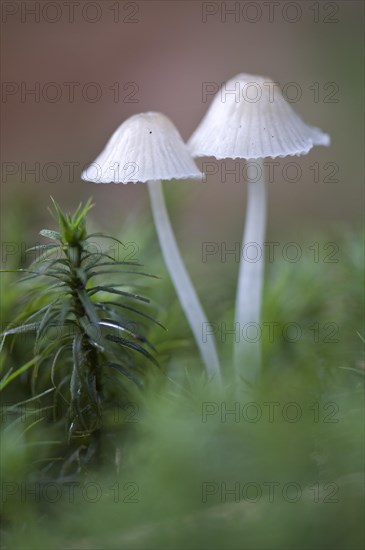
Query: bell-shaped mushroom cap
[
  {"x": 250, "y": 119},
  {"x": 145, "y": 147}
]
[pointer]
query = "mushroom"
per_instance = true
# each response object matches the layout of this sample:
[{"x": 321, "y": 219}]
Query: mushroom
[
  {"x": 148, "y": 148},
  {"x": 250, "y": 119}
]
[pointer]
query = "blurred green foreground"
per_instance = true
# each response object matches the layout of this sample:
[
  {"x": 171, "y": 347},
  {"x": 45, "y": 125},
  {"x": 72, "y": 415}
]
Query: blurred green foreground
[{"x": 188, "y": 464}]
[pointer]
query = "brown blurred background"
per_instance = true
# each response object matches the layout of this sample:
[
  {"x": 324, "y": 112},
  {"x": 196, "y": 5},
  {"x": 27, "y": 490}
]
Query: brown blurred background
[{"x": 158, "y": 54}]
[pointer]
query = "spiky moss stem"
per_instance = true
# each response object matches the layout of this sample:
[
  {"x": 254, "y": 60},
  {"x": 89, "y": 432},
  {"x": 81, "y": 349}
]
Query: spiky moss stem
[{"x": 89, "y": 355}]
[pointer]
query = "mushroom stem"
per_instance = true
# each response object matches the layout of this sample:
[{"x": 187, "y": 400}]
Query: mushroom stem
[
  {"x": 247, "y": 354},
  {"x": 184, "y": 288}
]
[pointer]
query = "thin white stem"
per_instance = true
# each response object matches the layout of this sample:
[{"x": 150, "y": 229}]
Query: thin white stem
[
  {"x": 247, "y": 351},
  {"x": 184, "y": 288}
]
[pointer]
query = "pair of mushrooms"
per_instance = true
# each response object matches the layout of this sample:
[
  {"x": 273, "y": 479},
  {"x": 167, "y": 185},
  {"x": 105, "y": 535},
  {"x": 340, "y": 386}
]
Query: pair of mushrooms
[{"x": 148, "y": 148}]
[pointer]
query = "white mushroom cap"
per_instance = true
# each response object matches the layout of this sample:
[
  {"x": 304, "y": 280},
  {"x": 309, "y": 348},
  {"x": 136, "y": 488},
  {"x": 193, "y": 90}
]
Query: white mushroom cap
[
  {"x": 145, "y": 147},
  {"x": 254, "y": 122}
]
